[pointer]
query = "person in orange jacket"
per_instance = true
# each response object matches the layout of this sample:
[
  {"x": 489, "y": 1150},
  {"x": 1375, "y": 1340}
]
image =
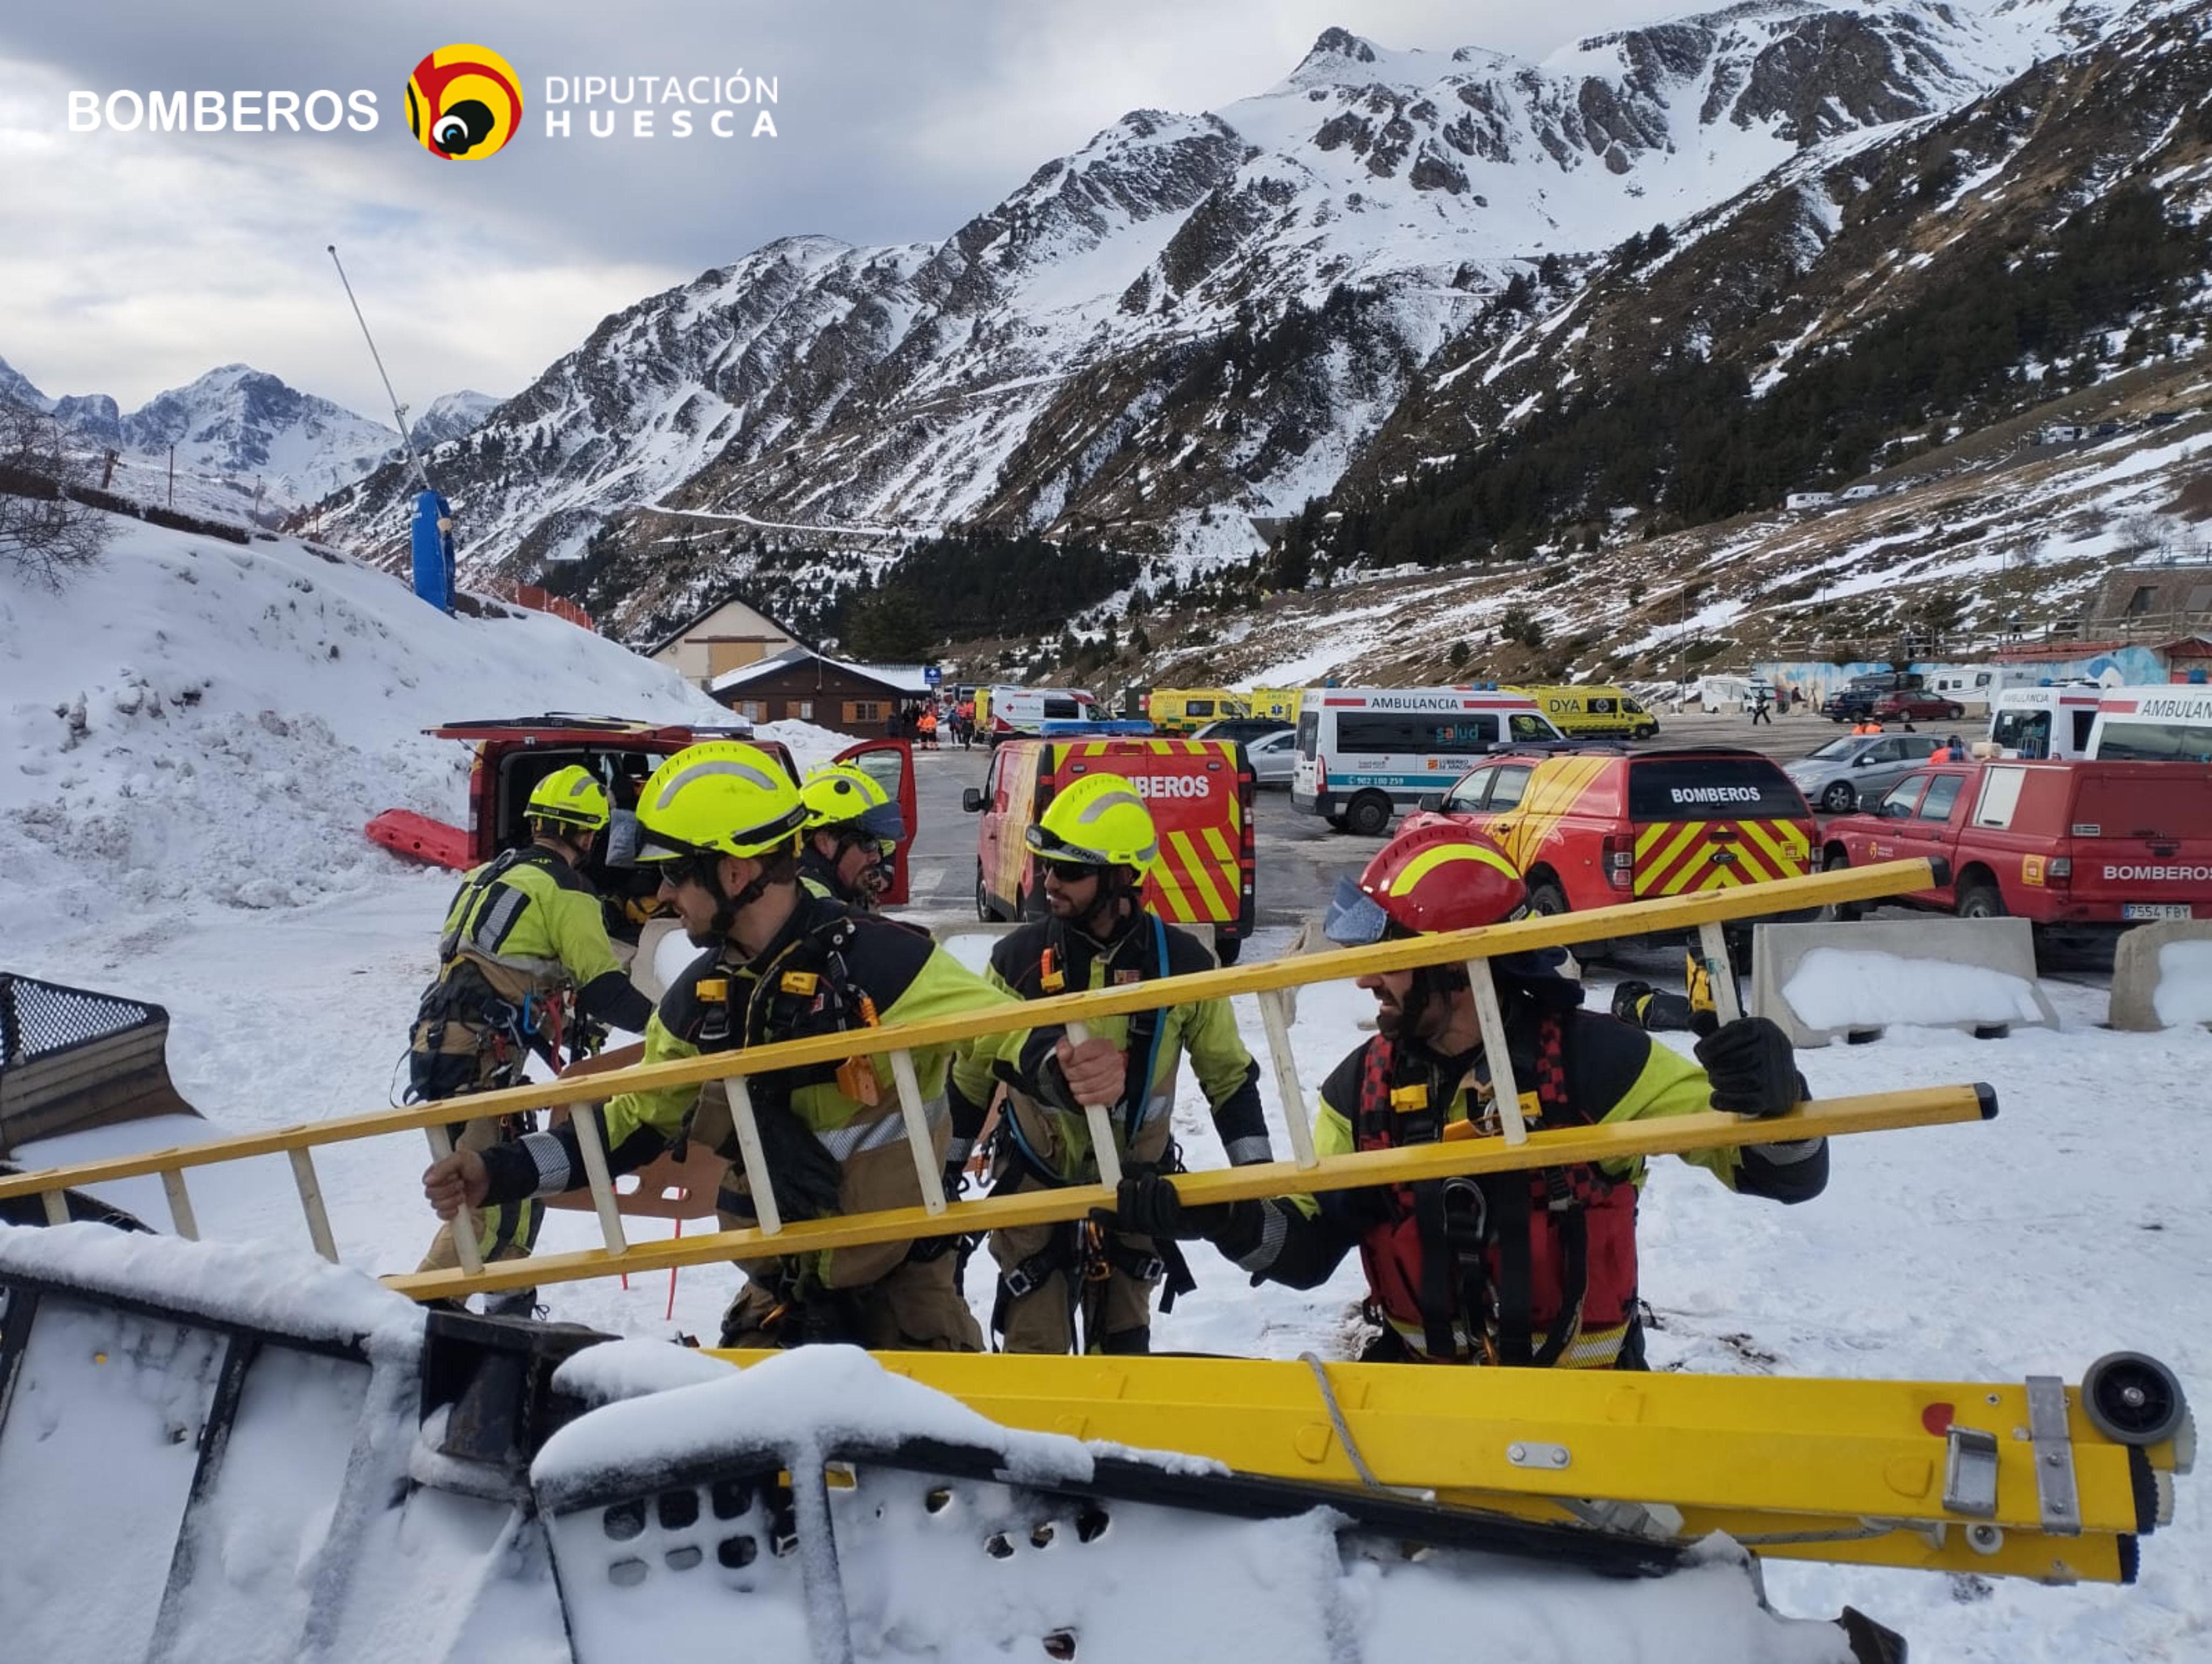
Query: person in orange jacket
[{"x": 925, "y": 726}]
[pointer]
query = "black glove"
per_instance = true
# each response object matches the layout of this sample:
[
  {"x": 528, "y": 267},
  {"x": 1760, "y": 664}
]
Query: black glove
[
  {"x": 1149, "y": 1206},
  {"x": 1628, "y": 1001},
  {"x": 806, "y": 1177},
  {"x": 1752, "y": 1067}
]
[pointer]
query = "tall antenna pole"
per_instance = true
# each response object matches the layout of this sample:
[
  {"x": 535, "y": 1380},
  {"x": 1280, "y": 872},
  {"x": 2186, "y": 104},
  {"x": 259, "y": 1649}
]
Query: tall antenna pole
[{"x": 398, "y": 410}]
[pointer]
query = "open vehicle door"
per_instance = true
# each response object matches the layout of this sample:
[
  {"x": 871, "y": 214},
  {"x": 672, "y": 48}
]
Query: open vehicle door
[{"x": 889, "y": 763}]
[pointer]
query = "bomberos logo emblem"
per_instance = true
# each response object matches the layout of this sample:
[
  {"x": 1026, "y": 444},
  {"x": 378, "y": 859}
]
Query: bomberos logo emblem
[{"x": 464, "y": 103}]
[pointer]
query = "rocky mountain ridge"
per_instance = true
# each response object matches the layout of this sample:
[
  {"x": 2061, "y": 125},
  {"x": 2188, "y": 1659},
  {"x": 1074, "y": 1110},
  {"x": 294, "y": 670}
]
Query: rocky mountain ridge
[
  {"x": 239, "y": 431},
  {"x": 1189, "y": 325}
]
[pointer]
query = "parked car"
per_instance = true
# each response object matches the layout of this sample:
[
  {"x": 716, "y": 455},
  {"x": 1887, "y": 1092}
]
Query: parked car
[
  {"x": 1592, "y": 828},
  {"x": 1274, "y": 758},
  {"x": 1913, "y": 705},
  {"x": 1857, "y": 769},
  {"x": 1856, "y": 700},
  {"x": 2078, "y": 847},
  {"x": 1243, "y": 730}
]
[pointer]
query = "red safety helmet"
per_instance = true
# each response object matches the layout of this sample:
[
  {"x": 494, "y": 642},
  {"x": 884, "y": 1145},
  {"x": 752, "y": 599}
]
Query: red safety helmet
[{"x": 1437, "y": 875}]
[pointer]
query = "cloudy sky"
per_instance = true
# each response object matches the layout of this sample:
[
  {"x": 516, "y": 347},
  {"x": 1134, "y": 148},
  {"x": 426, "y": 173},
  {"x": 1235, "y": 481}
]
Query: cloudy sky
[{"x": 133, "y": 262}]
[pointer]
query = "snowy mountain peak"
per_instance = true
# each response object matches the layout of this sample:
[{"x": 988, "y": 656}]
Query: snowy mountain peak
[
  {"x": 16, "y": 388},
  {"x": 244, "y": 439},
  {"x": 449, "y": 415},
  {"x": 236, "y": 422}
]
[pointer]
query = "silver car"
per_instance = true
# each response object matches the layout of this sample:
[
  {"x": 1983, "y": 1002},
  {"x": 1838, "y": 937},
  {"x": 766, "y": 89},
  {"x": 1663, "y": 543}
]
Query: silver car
[
  {"x": 1272, "y": 758},
  {"x": 1855, "y": 769}
]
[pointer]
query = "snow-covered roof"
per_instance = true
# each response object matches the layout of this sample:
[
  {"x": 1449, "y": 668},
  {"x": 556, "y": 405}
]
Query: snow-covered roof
[{"x": 905, "y": 678}]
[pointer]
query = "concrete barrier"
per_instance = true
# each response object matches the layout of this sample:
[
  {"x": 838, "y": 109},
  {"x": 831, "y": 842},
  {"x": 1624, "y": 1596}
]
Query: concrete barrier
[
  {"x": 1820, "y": 981},
  {"x": 2153, "y": 959}
]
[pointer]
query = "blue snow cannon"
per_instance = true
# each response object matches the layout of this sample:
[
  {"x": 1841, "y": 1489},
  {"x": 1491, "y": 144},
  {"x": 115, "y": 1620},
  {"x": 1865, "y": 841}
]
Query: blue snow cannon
[{"x": 433, "y": 551}]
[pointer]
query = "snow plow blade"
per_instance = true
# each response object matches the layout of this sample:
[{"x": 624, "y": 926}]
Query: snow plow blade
[
  {"x": 418, "y": 837},
  {"x": 266, "y": 1458},
  {"x": 71, "y": 1060}
]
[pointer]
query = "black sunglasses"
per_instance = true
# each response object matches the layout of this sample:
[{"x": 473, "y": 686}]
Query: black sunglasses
[
  {"x": 684, "y": 868},
  {"x": 1070, "y": 872}
]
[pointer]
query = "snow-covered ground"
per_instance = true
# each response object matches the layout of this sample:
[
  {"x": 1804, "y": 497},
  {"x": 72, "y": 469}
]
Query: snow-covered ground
[{"x": 195, "y": 840}]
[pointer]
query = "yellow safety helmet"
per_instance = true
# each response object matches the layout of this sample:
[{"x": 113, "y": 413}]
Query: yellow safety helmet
[
  {"x": 568, "y": 796},
  {"x": 1099, "y": 821},
  {"x": 839, "y": 795},
  {"x": 721, "y": 797}
]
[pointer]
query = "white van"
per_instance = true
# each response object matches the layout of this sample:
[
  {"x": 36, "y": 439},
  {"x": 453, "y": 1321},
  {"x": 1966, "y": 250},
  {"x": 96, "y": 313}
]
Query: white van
[
  {"x": 1025, "y": 710},
  {"x": 2044, "y": 722},
  {"x": 1366, "y": 753},
  {"x": 2154, "y": 724}
]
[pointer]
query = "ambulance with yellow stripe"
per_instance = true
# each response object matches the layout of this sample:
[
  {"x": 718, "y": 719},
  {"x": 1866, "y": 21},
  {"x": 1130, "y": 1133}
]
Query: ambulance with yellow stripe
[
  {"x": 1199, "y": 793},
  {"x": 1592, "y": 828}
]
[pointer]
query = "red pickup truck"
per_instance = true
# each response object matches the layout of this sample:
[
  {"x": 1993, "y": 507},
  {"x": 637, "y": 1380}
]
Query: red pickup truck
[{"x": 2077, "y": 846}]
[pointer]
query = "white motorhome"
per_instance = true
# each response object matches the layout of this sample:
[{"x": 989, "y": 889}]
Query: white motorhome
[
  {"x": 1723, "y": 692},
  {"x": 1366, "y": 753},
  {"x": 1978, "y": 684},
  {"x": 2044, "y": 722},
  {"x": 2171, "y": 724}
]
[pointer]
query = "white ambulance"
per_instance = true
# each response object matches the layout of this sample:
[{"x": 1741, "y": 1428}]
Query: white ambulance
[
  {"x": 2044, "y": 722},
  {"x": 1024, "y": 711},
  {"x": 1366, "y": 753},
  {"x": 2154, "y": 724}
]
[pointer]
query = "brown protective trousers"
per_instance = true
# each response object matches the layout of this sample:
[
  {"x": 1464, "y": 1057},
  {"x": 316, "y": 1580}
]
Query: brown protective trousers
[
  {"x": 913, "y": 1308},
  {"x": 913, "y": 1305},
  {"x": 1042, "y": 1321}
]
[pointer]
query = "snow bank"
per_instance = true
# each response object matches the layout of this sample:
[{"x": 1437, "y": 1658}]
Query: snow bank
[
  {"x": 1852, "y": 988},
  {"x": 194, "y": 721},
  {"x": 810, "y": 747},
  {"x": 2184, "y": 983}
]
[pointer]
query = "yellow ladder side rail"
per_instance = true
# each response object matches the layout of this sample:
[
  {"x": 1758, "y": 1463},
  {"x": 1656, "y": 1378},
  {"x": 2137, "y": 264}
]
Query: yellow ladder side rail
[
  {"x": 1628, "y": 919},
  {"x": 1611, "y": 1141},
  {"x": 1759, "y": 1443}
]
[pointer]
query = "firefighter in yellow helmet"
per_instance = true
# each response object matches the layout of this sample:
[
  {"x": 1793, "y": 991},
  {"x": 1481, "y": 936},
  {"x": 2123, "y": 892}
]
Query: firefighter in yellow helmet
[
  {"x": 852, "y": 836},
  {"x": 1095, "y": 843},
  {"x": 722, "y": 822},
  {"x": 523, "y": 934}
]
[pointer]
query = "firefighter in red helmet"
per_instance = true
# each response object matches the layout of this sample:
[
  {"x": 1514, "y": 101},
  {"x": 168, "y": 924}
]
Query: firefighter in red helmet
[{"x": 1534, "y": 1267}]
